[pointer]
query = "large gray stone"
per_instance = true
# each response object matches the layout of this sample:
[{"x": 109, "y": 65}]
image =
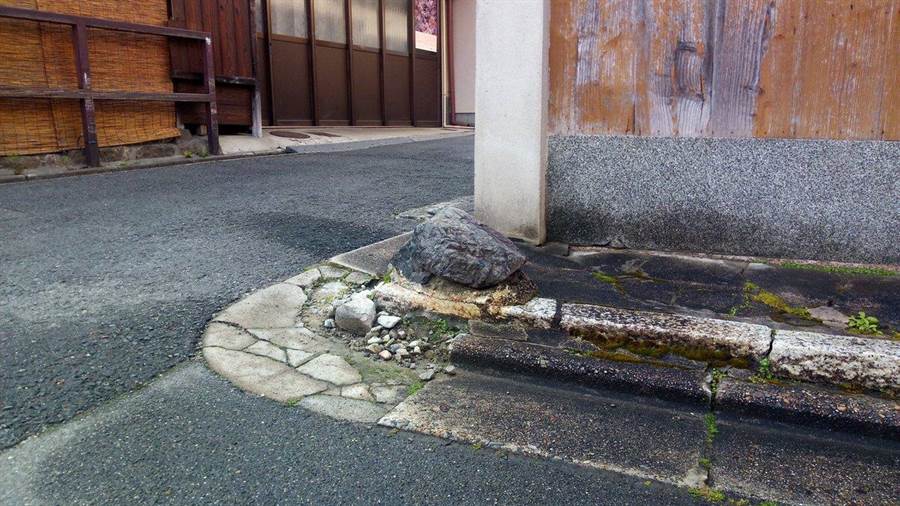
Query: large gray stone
[
  {"x": 356, "y": 315},
  {"x": 453, "y": 245}
]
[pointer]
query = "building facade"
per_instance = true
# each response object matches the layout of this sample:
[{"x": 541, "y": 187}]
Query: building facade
[{"x": 759, "y": 128}]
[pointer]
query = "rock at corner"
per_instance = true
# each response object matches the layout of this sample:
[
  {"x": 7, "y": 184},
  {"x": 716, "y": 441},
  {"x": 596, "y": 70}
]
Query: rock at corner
[
  {"x": 356, "y": 315},
  {"x": 453, "y": 245}
]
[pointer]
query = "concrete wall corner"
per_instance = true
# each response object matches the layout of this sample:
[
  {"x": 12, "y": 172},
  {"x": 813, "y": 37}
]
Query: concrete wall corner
[{"x": 511, "y": 97}]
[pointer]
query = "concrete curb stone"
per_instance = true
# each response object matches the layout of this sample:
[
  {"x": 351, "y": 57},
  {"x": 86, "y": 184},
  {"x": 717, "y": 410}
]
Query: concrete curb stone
[{"x": 810, "y": 356}]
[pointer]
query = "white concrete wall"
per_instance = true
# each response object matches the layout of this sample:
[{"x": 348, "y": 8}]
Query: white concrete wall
[
  {"x": 463, "y": 38},
  {"x": 511, "y": 87}
]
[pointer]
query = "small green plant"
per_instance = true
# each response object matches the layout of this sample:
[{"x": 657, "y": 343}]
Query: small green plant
[
  {"x": 188, "y": 154},
  {"x": 477, "y": 446},
  {"x": 386, "y": 277},
  {"x": 716, "y": 377},
  {"x": 203, "y": 154},
  {"x": 711, "y": 429},
  {"x": 293, "y": 402},
  {"x": 415, "y": 387},
  {"x": 764, "y": 370},
  {"x": 705, "y": 463},
  {"x": 864, "y": 324},
  {"x": 710, "y": 494},
  {"x": 768, "y": 503},
  {"x": 440, "y": 326}
]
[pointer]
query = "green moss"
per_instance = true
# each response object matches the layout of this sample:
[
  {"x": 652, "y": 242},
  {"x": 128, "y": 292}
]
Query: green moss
[
  {"x": 605, "y": 278},
  {"x": 711, "y": 430},
  {"x": 415, "y": 387},
  {"x": 754, "y": 293},
  {"x": 710, "y": 494},
  {"x": 612, "y": 343},
  {"x": 716, "y": 376},
  {"x": 849, "y": 270}
]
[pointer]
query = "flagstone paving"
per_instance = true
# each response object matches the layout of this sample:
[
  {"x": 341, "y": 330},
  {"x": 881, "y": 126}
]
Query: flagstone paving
[{"x": 262, "y": 345}]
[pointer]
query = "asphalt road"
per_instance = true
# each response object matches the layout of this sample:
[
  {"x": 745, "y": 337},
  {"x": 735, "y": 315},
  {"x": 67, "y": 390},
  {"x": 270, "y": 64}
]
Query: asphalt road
[
  {"x": 106, "y": 284},
  {"x": 108, "y": 280}
]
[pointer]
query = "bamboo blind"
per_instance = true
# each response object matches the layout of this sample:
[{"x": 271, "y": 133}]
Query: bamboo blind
[{"x": 42, "y": 55}]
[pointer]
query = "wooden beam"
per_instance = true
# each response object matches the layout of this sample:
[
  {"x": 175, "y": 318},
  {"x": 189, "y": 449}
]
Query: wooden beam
[
  {"x": 384, "y": 118},
  {"x": 348, "y": 22},
  {"x": 209, "y": 78},
  {"x": 88, "y": 120},
  {"x": 411, "y": 36},
  {"x": 311, "y": 27},
  {"x": 119, "y": 26},
  {"x": 102, "y": 95}
]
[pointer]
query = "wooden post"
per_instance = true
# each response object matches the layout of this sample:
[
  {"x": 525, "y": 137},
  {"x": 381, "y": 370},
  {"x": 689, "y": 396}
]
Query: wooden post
[
  {"x": 411, "y": 36},
  {"x": 348, "y": 20},
  {"x": 88, "y": 120},
  {"x": 384, "y": 118},
  {"x": 311, "y": 28},
  {"x": 256, "y": 107},
  {"x": 209, "y": 78}
]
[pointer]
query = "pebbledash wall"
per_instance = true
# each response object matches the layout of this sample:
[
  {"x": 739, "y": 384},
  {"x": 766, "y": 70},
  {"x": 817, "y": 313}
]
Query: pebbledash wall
[{"x": 763, "y": 128}]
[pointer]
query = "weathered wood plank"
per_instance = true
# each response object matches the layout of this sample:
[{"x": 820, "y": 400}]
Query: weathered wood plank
[
  {"x": 605, "y": 67},
  {"x": 562, "y": 59},
  {"x": 764, "y": 68}
]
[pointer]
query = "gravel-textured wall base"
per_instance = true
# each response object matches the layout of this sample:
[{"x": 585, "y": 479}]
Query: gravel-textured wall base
[{"x": 827, "y": 200}]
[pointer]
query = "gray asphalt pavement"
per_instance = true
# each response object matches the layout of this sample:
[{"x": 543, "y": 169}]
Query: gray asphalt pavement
[
  {"x": 107, "y": 280},
  {"x": 191, "y": 438},
  {"x": 106, "y": 284}
]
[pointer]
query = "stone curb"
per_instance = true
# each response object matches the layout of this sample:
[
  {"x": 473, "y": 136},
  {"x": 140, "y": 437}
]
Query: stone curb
[
  {"x": 792, "y": 403},
  {"x": 668, "y": 383},
  {"x": 809, "y": 405}
]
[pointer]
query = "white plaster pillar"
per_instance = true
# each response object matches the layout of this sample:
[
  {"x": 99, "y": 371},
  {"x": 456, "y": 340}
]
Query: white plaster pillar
[{"x": 511, "y": 96}]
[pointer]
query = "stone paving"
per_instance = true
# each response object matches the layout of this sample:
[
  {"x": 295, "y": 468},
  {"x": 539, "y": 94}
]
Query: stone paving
[{"x": 265, "y": 344}]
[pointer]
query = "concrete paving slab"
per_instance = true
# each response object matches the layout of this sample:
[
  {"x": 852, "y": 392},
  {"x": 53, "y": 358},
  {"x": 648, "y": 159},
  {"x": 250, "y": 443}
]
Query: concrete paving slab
[
  {"x": 622, "y": 434},
  {"x": 272, "y": 307},
  {"x": 297, "y": 357},
  {"x": 287, "y": 386},
  {"x": 354, "y": 410},
  {"x": 860, "y": 361},
  {"x": 226, "y": 336},
  {"x": 374, "y": 258},
  {"x": 267, "y": 349},
  {"x": 297, "y": 338},
  {"x": 237, "y": 364},
  {"x": 331, "y": 368},
  {"x": 804, "y": 466},
  {"x": 330, "y": 272},
  {"x": 306, "y": 278}
]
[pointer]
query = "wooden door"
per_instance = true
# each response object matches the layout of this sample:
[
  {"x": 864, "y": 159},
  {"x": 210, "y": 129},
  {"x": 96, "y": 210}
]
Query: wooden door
[
  {"x": 350, "y": 62},
  {"x": 290, "y": 58}
]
